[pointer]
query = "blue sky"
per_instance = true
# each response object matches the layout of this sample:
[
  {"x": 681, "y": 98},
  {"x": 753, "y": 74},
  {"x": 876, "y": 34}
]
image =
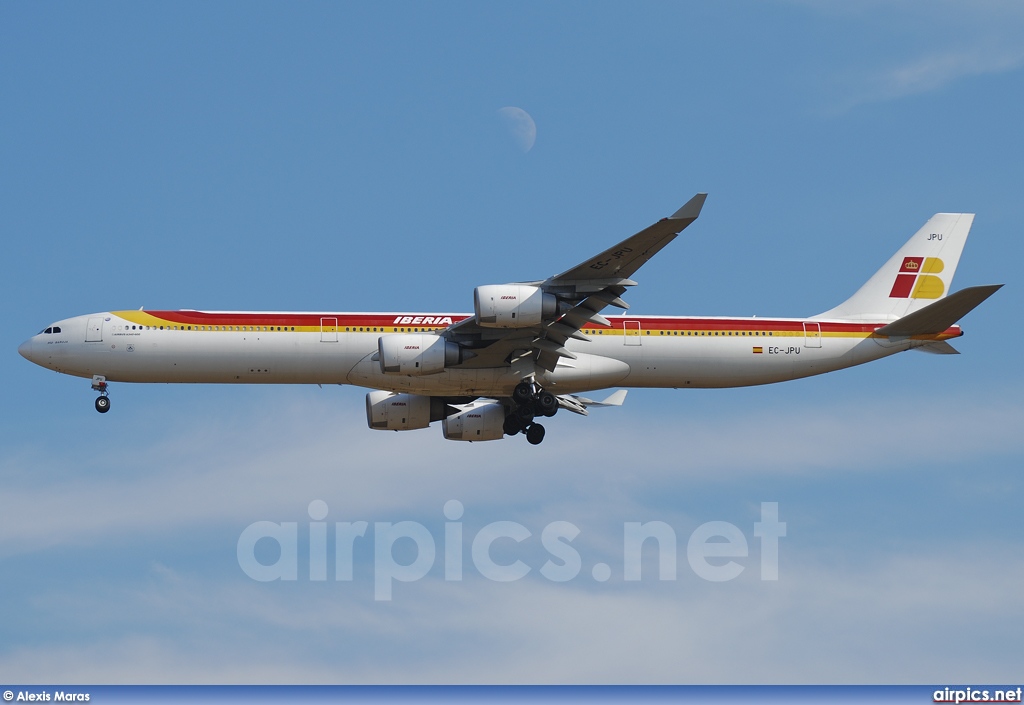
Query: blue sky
[{"x": 337, "y": 157}]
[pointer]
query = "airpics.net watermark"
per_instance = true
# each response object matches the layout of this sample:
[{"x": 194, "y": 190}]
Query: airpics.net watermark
[{"x": 710, "y": 549}]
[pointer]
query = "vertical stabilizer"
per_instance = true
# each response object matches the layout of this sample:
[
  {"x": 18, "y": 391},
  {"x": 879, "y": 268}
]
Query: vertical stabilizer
[{"x": 919, "y": 274}]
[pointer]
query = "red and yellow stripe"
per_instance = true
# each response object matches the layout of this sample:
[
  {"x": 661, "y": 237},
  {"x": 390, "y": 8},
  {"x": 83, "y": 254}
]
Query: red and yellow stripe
[{"x": 386, "y": 323}]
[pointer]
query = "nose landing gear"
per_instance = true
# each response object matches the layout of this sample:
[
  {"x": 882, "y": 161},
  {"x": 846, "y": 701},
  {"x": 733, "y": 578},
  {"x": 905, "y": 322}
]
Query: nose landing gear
[
  {"x": 99, "y": 384},
  {"x": 530, "y": 402}
]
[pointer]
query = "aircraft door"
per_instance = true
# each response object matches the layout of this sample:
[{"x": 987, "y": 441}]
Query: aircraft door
[
  {"x": 812, "y": 334},
  {"x": 94, "y": 330},
  {"x": 631, "y": 332},
  {"x": 328, "y": 330}
]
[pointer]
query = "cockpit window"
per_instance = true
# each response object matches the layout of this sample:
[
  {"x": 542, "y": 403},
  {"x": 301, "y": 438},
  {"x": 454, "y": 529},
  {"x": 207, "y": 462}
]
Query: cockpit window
[
  {"x": 46, "y": 332},
  {"x": 56, "y": 329}
]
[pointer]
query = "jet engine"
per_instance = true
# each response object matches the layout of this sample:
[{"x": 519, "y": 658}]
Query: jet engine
[
  {"x": 388, "y": 411},
  {"x": 417, "y": 354},
  {"x": 513, "y": 305},
  {"x": 480, "y": 421}
]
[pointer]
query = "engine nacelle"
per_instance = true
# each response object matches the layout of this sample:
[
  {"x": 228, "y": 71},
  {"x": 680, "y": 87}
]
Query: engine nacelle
[
  {"x": 513, "y": 305},
  {"x": 481, "y": 421},
  {"x": 416, "y": 354},
  {"x": 388, "y": 411}
]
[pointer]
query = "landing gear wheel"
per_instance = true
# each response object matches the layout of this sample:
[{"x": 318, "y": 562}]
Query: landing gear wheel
[
  {"x": 523, "y": 393},
  {"x": 525, "y": 415},
  {"x": 535, "y": 434},
  {"x": 512, "y": 425},
  {"x": 547, "y": 404},
  {"x": 103, "y": 404}
]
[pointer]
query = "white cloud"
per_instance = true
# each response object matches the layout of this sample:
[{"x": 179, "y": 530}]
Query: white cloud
[
  {"x": 928, "y": 73},
  {"x": 914, "y": 47},
  {"x": 270, "y": 466},
  {"x": 841, "y": 611},
  {"x": 887, "y": 620}
]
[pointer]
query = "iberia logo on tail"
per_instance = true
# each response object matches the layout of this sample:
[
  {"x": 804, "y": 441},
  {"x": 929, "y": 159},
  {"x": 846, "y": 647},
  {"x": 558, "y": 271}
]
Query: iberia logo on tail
[{"x": 916, "y": 279}]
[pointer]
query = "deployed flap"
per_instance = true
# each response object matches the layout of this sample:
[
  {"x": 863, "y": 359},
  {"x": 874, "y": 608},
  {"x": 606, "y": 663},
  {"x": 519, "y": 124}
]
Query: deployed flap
[
  {"x": 578, "y": 405},
  {"x": 613, "y": 399},
  {"x": 937, "y": 317}
]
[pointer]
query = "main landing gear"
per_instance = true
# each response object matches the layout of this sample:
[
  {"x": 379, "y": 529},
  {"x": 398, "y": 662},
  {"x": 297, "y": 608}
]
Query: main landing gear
[
  {"x": 99, "y": 384},
  {"x": 530, "y": 402}
]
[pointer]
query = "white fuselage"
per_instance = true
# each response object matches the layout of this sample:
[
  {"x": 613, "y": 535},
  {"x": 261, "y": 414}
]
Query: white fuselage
[{"x": 341, "y": 348}]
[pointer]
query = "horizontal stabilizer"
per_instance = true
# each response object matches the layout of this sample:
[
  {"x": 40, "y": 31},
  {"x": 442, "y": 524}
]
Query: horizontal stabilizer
[
  {"x": 939, "y": 347},
  {"x": 937, "y": 317}
]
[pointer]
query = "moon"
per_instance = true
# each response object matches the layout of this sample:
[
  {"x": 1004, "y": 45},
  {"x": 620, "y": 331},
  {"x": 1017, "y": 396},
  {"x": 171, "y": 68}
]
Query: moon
[{"x": 520, "y": 125}]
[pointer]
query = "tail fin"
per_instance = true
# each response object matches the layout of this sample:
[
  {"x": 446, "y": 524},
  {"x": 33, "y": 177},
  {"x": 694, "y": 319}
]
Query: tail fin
[{"x": 918, "y": 274}]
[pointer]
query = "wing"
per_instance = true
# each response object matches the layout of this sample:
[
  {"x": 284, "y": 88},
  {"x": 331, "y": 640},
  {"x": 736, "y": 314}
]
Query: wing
[
  {"x": 582, "y": 292},
  {"x": 579, "y": 405}
]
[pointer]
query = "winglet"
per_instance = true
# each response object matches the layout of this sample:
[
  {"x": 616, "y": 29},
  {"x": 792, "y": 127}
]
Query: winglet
[{"x": 692, "y": 208}]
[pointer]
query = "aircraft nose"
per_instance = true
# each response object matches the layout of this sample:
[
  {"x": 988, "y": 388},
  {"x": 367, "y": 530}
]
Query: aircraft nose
[{"x": 25, "y": 349}]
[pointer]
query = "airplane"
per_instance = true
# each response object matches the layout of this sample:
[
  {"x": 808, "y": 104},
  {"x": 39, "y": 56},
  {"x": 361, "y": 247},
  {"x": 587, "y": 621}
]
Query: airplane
[{"x": 529, "y": 349}]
